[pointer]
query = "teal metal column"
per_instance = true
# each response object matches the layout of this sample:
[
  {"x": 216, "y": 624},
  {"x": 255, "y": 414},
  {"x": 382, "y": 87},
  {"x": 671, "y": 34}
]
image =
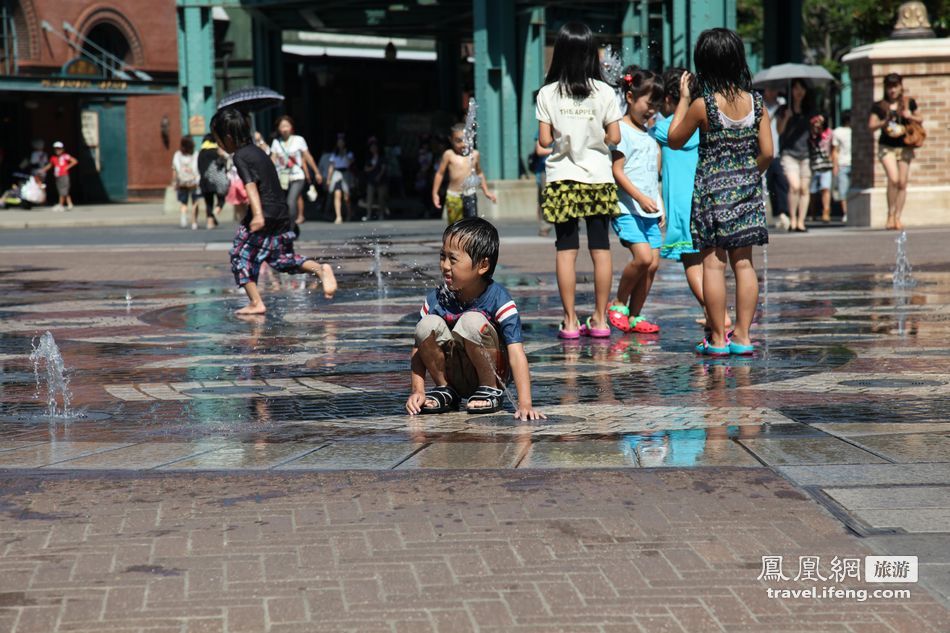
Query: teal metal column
[
  {"x": 635, "y": 34},
  {"x": 495, "y": 67},
  {"x": 533, "y": 34},
  {"x": 196, "y": 69}
]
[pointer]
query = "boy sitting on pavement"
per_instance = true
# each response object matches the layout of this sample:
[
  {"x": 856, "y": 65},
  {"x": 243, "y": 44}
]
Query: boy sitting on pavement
[
  {"x": 464, "y": 168},
  {"x": 469, "y": 338}
]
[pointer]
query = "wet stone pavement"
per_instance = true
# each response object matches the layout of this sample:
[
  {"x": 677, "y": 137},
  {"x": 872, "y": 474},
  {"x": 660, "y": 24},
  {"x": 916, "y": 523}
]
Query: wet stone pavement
[{"x": 835, "y": 436}]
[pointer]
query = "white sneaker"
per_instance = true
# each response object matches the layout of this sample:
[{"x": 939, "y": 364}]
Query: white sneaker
[
  {"x": 183, "y": 222},
  {"x": 58, "y": 208},
  {"x": 194, "y": 226},
  {"x": 783, "y": 222}
]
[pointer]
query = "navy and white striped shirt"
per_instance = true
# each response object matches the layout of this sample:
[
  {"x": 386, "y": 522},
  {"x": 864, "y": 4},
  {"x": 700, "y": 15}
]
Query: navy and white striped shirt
[{"x": 495, "y": 303}]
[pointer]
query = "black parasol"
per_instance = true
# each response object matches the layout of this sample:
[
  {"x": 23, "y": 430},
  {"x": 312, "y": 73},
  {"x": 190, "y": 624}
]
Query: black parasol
[{"x": 251, "y": 99}]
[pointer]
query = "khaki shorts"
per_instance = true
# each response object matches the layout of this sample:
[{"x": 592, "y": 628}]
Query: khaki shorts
[
  {"x": 905, "y": 154},
  {"x": 797, "y": 167},
  {"x": 459, "y": 370}
]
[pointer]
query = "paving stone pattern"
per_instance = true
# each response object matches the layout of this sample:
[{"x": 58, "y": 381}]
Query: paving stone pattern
[
  {"x": 174, "y": 397},
  {"x": 425, "y": 551}
]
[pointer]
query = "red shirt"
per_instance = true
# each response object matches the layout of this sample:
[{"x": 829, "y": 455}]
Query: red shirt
[{"x": 60, "y": 164}]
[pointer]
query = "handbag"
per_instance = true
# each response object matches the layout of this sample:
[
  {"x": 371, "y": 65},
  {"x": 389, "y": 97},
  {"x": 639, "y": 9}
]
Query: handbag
[
  {"x": 216, "y": 178},
  {"x": 914, "y": 132},
  {"x": 284, "y": 173}
]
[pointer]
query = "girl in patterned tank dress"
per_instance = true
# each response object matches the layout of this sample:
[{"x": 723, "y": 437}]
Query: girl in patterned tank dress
[
  {"x": 728, "y": 215},
  {"x": 578, "y": 118}
]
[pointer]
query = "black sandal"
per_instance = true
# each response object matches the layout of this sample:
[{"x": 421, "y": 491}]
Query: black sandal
[
  {"x": 491, "y": 395},
  {"x": 447, "y": 398}
]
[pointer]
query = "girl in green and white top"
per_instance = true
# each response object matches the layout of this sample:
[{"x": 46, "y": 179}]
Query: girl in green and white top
[{"x": 578, "y": 115}]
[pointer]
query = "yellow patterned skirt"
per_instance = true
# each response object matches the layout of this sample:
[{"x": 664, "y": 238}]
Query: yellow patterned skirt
[{"x": 565, "y": 200}]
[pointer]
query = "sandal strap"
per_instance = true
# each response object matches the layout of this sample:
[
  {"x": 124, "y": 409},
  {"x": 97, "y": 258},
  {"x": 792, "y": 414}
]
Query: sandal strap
[
  {"x": 624, "y": 310},
  {"x": 443, "y": 395},
  {"x": 485, "y": 392}
]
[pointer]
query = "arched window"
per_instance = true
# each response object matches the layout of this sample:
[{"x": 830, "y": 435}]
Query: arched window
[{"x": 110, "y": 38}]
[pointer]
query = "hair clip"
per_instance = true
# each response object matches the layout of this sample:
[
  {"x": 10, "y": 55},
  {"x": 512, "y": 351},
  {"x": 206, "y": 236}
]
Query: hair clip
[{"x": 628, "y": 78}]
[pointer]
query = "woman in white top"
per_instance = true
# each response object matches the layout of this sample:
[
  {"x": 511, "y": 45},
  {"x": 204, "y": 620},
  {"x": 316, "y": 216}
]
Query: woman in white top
[
  {"x": 292, "y": 157},
  {"x": 339, "y": 178}
]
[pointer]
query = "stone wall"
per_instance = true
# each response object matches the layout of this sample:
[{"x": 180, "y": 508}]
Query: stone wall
[{"x": 925, "y": 67}]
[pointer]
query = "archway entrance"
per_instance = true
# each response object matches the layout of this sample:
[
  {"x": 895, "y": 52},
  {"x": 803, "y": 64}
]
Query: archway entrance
[{"x": 110, "y": 38}]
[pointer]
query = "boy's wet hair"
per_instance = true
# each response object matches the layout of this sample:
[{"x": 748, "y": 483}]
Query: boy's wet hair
[
  {"x": 478, "y": 238},
  {"x": 232, "y": 122},
  {"x": 846, "y": 117},
  {"x": 187, "y": 145},
  {"x": 458, "y": 127},
  {"x": 639, "y": 82},
  {"x": 719, "y": 59}
]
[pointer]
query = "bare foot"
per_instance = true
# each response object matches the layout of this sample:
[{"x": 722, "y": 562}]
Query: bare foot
[
  {"x": 329, "y": 281},
  {"x": 300, "y": 219},
  {"x": 338, "y": 221},
  {"x": 702, "y": 321},
  {"x": 254, "y": 308}
]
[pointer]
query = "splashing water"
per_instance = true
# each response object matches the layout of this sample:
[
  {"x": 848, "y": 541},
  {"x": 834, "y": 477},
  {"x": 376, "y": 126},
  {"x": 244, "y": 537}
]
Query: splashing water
[
  {"x": 611, "y": 66},
  {"x": 472, "y": 181},
  {"x": 501, "y": 381},
  {"x": 903, "y": 272},
  {"x": 378, "y": 270},
  {"x": 128, "y": 301},
  {"x": 55, "y": 379}
]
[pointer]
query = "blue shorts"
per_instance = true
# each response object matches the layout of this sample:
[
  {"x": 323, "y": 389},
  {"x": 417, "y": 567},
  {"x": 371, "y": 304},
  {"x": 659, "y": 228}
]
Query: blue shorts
[
  {"x": 820, "y": 180},
  {"x": 633, "y": 229},
  {"x": 185, "y": 196},
  {"x": 844, "y": 182}
]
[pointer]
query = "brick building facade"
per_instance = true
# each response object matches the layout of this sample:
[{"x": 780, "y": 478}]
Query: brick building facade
[
  {"x": 925, "y": 67},
  {"x": 100, "y": 76}
]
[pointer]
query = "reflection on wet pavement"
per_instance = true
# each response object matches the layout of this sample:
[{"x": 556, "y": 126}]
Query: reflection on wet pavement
[{"x": 172, "y": 380}]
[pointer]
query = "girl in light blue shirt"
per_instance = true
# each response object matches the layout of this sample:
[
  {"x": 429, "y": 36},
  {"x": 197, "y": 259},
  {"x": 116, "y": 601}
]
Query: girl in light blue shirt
[{"x": 636, "y": 161}]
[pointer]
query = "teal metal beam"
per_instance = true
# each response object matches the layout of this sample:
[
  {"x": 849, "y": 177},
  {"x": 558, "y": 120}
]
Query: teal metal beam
[
  {"x": 711, "y": 14},
  {"x": 196, "y": 69},
  {"x": 532, "y": 33},
  {"x": 495, "y": 69}
]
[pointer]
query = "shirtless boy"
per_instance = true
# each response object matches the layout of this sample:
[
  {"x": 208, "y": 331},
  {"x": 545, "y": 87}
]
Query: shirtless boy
[{"x": 463, "y": 166}]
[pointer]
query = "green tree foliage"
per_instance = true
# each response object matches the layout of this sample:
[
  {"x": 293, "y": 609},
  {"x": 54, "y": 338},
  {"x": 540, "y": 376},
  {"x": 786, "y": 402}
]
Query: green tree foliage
[
  {"x": 830, "y": 28},
  {"x": 749, "y": 21}
]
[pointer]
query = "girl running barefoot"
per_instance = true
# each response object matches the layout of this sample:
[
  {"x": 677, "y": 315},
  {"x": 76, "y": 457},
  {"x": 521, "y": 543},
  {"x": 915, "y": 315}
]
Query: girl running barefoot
[
  {"x": 636, "y": 169},
  {"x": 735, "y": 147},
  {"x": 578, "y": 114},
  {"x": 266, "y": 234}
]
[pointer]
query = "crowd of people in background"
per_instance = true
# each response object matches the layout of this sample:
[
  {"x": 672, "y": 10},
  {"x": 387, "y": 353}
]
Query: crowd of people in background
[{"x": 341, "y": 185}]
